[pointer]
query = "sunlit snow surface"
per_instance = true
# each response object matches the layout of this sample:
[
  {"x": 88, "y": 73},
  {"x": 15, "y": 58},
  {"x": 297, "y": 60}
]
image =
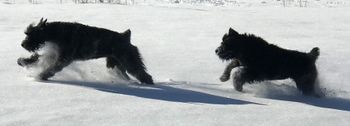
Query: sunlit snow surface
[{"x": 177, "y": 43}]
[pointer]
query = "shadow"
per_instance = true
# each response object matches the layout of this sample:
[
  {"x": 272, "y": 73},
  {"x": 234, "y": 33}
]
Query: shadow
[
  {"x": 159, "y": 91},
  {"x": 323, "y": 102},
  {"x": 290, "y": 93}
]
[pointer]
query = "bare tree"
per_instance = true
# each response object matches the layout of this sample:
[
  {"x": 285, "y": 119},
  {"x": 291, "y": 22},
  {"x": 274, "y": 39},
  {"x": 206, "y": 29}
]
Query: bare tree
[
  {"x": 33, "y": 1},
  {"x": 303, "y": 3}
]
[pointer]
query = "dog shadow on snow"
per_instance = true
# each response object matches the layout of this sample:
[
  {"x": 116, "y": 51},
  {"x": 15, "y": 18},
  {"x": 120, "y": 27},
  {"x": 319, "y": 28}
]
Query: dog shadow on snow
[
  {"x": 286, "y": 92},
  {"x": 159, "y": 91}
]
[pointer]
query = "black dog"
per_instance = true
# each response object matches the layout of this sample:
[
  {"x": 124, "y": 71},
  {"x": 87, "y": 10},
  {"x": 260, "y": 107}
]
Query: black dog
[
  {"x": 81, "y": 42},
  {"x": 258, "y": 60}
]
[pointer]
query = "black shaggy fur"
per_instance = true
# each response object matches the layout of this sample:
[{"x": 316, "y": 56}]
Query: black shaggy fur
[
  {"x": 81, "y": 42},
  {"x": 258, "y": 60}
]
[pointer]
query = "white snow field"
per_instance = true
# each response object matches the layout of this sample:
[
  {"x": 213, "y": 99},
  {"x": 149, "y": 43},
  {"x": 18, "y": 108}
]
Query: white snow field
[{"x": 177, "y": 43}]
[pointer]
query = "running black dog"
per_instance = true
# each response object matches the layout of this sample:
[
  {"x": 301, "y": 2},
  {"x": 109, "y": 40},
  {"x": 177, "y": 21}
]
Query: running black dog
[
  {"x": 76, "y": 41},
  {"x": 258, "y": 60}
]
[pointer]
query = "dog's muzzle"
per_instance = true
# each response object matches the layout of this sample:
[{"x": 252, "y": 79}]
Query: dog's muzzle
[
  {"x": 218, "y": 50},
  {"x": 23, "y": 45},
  {"x": 223, "y": 54},
  {"x": 30, "y": 47}
]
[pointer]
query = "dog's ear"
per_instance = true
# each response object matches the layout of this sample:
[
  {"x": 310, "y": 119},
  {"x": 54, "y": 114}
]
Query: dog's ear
[
  {"x": 232, "y": 32},
  {"x": 29, "y": 29},
  {"x": 42, "y": 22},
  {"x": 31, "y": 26},
  {"x": 127, "y": 34}
]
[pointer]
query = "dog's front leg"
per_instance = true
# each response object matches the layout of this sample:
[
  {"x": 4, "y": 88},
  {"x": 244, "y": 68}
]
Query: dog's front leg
[
  {"x": 52, "y": 70},
  {"x": 28, "y": 61},
  {"x": 226, "y": 75}
]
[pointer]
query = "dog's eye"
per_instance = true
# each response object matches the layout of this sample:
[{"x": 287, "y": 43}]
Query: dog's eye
[
  {"x": 29, "y": 32},
  {"x": 223, "y": 43}
]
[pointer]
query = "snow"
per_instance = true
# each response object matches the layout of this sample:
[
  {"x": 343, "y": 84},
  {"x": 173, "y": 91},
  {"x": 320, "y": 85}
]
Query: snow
[{"x": 177, "y": 43}]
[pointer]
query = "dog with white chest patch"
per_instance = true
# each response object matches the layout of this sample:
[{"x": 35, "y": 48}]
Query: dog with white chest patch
[{"x": 75, "y": 41}]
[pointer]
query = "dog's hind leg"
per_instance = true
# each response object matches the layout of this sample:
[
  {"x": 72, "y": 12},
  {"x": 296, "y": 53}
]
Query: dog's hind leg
[
  {"x": 53, "y": 69},
  {"x": 306, "y": 83},
  {"x": 137, "y": 70},
  {"x": 115, "y": 63},
  {"x": 226, "y": 75},
  {"x": 133, "y": 64}
]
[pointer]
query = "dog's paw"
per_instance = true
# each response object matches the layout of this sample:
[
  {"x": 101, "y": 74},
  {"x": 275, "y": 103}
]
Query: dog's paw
[
  {"x": 45, "y": 76},
  {"x": 146, "y": 79},
  {"x": 224, "y": 78},
  {"x": 148, "y": 82},
  {"x": 27, "y": 61},
  {"x": 238, "y": 87},
  {"x": 21, "y": 61},
  {"x": 41, "y": 78}
]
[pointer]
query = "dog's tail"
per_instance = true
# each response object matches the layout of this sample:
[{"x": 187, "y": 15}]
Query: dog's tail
[{"x": 314, "y": 53}]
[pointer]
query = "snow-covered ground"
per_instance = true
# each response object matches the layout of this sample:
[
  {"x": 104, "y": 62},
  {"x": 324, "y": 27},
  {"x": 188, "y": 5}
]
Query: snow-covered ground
[{"x": 177, "y": 43}]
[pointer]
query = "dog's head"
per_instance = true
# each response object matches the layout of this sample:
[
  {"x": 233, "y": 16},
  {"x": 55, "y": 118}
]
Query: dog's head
[
  {"x": 35, "y": 36},
  {"x": 229, "y": 47}
]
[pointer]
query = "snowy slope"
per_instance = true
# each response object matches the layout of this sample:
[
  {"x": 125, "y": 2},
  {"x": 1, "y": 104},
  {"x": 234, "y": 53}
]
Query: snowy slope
[
  {"x": 178, "y": 45},
  {"x": 229, "y": 3}
]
